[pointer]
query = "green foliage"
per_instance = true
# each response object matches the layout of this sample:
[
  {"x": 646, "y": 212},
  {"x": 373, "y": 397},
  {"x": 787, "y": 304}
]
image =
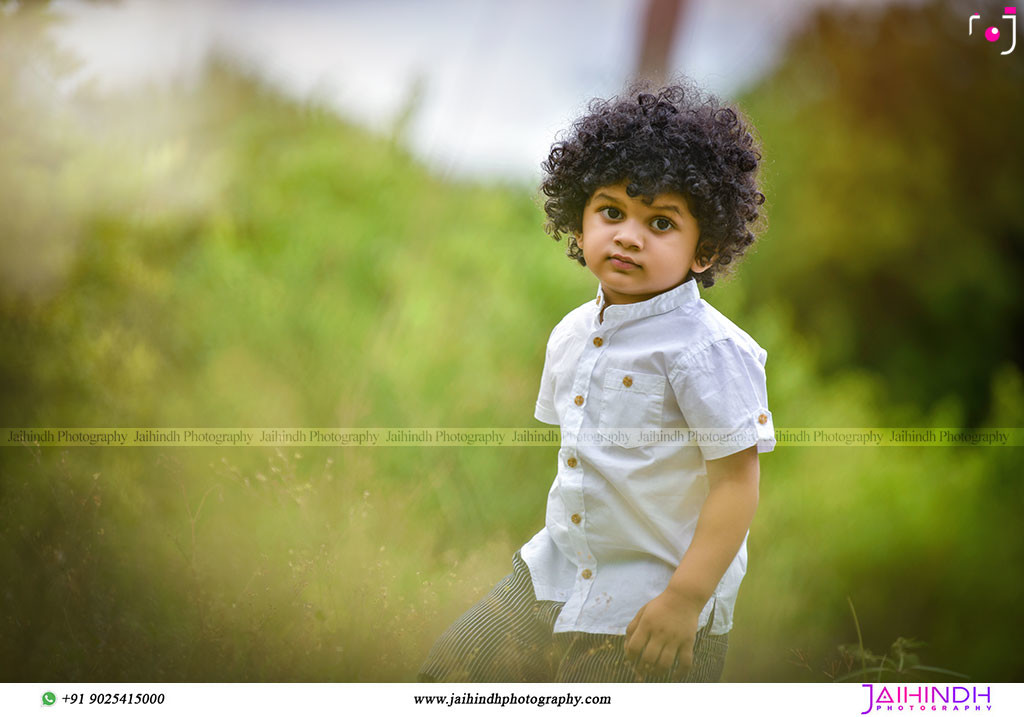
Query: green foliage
[
  {"x": 894, "y": 182},
  {"x": 902, "y": 662}
]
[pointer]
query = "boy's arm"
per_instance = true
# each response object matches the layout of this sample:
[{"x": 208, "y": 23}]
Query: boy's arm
[{"x": 667, "y": 625}]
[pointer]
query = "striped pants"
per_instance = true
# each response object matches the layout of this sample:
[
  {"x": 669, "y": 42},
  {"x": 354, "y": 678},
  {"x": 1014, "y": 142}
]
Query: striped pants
[{"x": 508, "y": 637}]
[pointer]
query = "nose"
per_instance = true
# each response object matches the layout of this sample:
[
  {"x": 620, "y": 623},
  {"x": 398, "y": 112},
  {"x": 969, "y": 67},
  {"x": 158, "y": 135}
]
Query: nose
[{"x": 629, "y": 235}]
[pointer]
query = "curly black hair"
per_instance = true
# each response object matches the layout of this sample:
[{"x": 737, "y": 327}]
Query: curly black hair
[{"x": 678, "y": 139}]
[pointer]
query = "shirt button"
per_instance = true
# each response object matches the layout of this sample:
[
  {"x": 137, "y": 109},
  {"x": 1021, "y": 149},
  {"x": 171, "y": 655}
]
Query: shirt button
[
  {"x": 579, "y": 400},
  {"x": 576, "y": 518},
  {"x": 762, "y": 419},
  {"x": 586, "y": 574},
  {"x": 627, "y": 381},
  {"x": 571, "y": 462},
  {"x": 598, "y": 341}
]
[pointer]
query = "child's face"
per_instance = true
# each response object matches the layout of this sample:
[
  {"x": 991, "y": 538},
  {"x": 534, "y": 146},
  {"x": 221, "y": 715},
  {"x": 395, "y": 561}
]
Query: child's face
[{"x": 636, "y": 250}]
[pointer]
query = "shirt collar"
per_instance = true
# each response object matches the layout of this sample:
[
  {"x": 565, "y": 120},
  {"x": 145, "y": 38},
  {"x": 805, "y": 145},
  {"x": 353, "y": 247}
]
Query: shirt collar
[{"x": 681, "y": 295}]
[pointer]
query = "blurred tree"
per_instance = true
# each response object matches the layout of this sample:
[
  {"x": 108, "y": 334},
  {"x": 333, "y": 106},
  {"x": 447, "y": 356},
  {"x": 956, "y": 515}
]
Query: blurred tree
[
  {"x": 658, "y": 38},
  {"x": 33, "y": 232},
  {"x": 895, "y": 176}
]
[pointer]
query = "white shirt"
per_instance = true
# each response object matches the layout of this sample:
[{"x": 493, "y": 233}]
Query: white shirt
[{"x": 622, "y": 511}]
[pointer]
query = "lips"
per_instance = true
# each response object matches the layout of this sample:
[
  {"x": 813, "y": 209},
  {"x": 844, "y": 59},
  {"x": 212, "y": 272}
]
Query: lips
[{"x": 622, "y": 258}]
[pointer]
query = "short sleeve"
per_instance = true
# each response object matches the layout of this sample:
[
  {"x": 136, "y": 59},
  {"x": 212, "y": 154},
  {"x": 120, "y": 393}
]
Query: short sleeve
[
  {"x": 545, "y": 408},
  {"x": 723, "y": 395}
]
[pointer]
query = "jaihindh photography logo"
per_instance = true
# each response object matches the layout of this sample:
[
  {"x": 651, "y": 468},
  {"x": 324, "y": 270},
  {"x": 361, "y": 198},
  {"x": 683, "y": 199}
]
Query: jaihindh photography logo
[{"x": 927, "y": 698}]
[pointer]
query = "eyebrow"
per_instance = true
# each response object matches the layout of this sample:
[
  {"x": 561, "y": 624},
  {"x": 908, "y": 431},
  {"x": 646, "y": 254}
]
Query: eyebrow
[{"x": 659, "y": 208}]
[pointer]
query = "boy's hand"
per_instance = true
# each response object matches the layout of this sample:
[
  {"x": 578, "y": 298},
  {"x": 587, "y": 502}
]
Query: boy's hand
[{"x": 663, "y": 629}]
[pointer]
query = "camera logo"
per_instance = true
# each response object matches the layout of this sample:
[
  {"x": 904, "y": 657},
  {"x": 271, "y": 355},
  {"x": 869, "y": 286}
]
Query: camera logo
[{"x": 993, "y": 33}]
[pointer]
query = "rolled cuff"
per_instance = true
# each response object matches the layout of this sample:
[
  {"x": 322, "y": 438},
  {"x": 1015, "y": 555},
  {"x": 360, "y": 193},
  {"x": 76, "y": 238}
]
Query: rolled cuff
[
  {"x": 757, "y": 429},
  {"x": 545, "y": 415}
]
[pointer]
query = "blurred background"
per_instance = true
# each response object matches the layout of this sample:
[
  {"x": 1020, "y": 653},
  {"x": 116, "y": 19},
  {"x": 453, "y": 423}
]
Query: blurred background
[{"x": 325, "y": 214}]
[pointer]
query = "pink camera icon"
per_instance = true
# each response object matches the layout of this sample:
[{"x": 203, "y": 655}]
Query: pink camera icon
[{"x": 993, "y": 34}]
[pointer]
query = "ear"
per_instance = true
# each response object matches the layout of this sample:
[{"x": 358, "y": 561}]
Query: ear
[
  {"x": 698, "y": 268},
  {"x": 579, "y": 239}
]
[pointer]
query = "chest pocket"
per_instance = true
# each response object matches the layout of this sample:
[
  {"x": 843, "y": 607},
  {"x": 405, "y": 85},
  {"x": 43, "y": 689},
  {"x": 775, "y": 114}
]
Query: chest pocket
[{"x": 632, "y": 401}]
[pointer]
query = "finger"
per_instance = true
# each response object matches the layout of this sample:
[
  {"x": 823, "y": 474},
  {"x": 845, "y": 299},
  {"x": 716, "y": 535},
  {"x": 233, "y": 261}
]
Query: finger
[
  {"x": 667, "y": 660},
  {"x": 670, "y": 673},
  {"x": 677, "y": 671},
  {"x": 636, "y": 644},
  {"x": 685, "y": 656},
  {"x": 651, "y": 653}
]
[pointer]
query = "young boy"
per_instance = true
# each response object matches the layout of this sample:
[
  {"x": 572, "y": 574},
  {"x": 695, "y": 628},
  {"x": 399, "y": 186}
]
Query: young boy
[{"x": 635, "y": 574}]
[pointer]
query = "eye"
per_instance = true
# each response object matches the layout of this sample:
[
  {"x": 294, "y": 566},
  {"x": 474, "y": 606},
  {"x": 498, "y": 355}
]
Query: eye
[
  {"x": 662, "y": 224},
  {"x": 610, "y": 213}
]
